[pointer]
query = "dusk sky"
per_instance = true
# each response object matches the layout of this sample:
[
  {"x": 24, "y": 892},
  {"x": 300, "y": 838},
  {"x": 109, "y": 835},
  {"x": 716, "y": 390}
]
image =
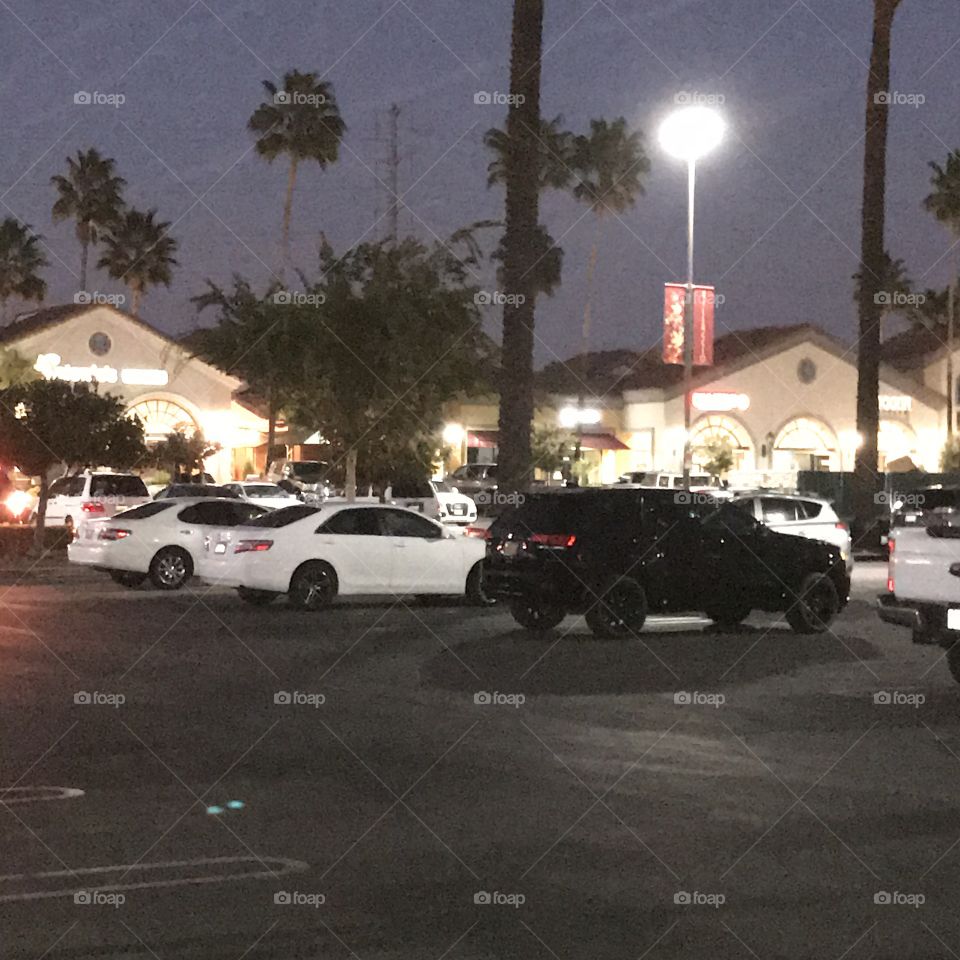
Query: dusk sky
[{"x": 779, "y": 203}]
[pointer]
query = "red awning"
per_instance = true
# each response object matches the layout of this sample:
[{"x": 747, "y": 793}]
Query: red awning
[
  {"x": 602, "y": 441},
  {"x": 483, "y": 438}
]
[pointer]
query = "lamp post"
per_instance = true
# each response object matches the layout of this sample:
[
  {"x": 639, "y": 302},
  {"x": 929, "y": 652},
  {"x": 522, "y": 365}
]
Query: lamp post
[{"x": 689, "y": 134}]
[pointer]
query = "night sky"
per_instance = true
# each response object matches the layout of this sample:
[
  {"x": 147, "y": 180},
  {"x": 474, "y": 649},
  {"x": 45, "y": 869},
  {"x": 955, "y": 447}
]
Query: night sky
[{"x": 778, "y": 226}]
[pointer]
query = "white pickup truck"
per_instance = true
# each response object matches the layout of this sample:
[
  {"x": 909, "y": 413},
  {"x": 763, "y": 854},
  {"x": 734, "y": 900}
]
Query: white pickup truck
[{"x": 923, "y": 584}]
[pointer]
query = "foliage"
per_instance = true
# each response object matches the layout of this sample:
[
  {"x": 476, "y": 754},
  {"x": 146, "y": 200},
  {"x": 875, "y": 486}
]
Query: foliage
[
  {"x": 950, "y": 455},
  {"x": 388, "y": 336},
  {"x": 944, "y": 200},
  {"x": 610, "y": 164},
  {"x": 91, "y": 194},
  {"x": 15, "y": 368},
  {"x": 21, "y": 261},
  {"x": 551, "y": 448},
  {"x": 178, "y": 450},
  {"x": 894, "y": 281},
  {"x": 548, "y": 268},
  {"x": 139, "y": 251},
  {"x": 719, "y": 460},
  {"x": 45, "y": 423},
  {"x": 555, "y": 155}
]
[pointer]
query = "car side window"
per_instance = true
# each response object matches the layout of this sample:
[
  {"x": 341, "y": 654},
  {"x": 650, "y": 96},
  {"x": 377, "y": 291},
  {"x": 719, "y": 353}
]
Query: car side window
[
  {"x": 491, "y": 473},
  {"x": 778, "y": 510},
  {"x": 353, "y": 523},
  {"x": 59, "y": 487},
  {"x": 663, "y": 481},
  {"x": 730, "y": 519},
  {"x": 210, "y": 514},
  {"x": 809, "y": 509},
  {"x": 403, "y": 523}
]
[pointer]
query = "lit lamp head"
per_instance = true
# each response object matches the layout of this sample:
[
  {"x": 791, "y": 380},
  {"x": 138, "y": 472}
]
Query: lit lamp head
[{"x": 691, "y": 132}]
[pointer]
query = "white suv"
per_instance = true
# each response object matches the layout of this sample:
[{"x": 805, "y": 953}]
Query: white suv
[
  {"x": 93, "y": 496},
  {"x": 802, "y": 516}
]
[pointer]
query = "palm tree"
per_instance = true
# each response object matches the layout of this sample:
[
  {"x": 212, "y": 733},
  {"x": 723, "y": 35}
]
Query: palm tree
[
  {"x": 90, "y": 193},
  {"x": 944, "y": 204},
  {"x": 21, "y": 260},
  {"x": 872, "y": 255},
  {"x": 139, "y": 251},
  {"x": 302, "y": 122},
  {"x": 522, "y": 174},
  {"x": 556, "y": 155},
  {"x": 895, "y": 284}
]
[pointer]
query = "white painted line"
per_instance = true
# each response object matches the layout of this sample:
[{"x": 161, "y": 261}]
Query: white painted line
[
  {"x": 284, "y": 865},
  {"x": 11, "y": 795},
  {"x": 22, "y": 630}
]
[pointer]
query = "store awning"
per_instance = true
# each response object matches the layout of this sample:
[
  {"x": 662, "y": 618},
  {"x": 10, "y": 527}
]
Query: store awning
[
  {"x": 483, "y": 438},
  {"x": 601, "y": 441}
]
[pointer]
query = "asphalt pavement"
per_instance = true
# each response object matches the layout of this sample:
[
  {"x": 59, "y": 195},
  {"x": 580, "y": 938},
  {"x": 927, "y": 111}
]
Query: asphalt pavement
[{"x": 187, "y": 776}]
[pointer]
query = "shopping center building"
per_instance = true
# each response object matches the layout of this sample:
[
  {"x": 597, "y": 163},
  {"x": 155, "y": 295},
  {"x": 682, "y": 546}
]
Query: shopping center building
[
  {"x": 782, "y": 398},
  {"x": 156, "y": 377}
]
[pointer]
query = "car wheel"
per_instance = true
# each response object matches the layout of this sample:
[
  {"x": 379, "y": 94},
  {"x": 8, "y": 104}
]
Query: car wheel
[
  {"x": 728, "y": 617},
  {"x": 259, "y": 598},
  {"x": 535, "y": 615},
  {"x": 127, "y": 578},
  {"x": 312, "y": 586},
  {"x": 816, "y": 605},
  {"x": 476, "y": 596},
  {"x": 953, "y": 661},
  {"x": 620, "y": 611},
  {"x": 170, "y": 568}
]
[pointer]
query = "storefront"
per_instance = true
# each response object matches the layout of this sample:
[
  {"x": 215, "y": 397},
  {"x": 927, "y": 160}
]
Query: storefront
[
  {"x": 157, "y": 379},
  {"x": 779, "y": 400}
]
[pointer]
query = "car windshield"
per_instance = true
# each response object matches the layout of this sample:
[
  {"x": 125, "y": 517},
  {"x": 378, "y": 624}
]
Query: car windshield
[
  {"x": 307, "y": 468},
  {"x": 282, "y": 517},
  {"x": 929, "y": 500},
  {"x": 110, "y": 485},
  {"x": 265, "y": 490},
  {"x": 147, "y": 510},
  {"x": 443, "y": 486}
]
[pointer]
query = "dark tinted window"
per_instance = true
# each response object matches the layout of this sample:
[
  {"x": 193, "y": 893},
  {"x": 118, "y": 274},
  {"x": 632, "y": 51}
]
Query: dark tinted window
[
  {"x": 194, "y": 490},
  {"x": 808, "y": 509},
  {"x": 307, "y": 468},
  {"x": 932, "y": 500},
  {"x": 67, "y": 487},
  {"x": 117, "y": 486},
  {"x": 611, "y": 514},
  {"x": 412, "y": 489},
  {"x": 355, "y": 523},
  {"x": 403, "y": 523},
  {"x": 728, "y": 518},
  {"x": 491, "y": 471},
  {"x": 217, "y": 513},
  {"x": 146, "y": 510},
  {"x": 282, "y": 517},
  {"x": 778, "y": 509}
]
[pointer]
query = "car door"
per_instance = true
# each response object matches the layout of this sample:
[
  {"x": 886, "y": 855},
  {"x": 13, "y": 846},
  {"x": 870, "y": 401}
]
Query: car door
[
  {"x": 736, "y": 567},
  {"x": 57, "y": 498},
  {"x": 205, "y": 530},
  {"x": 425, "y": 561},
  {"x": 363, "y": 559},
  {"x": 780, "y": 514}
]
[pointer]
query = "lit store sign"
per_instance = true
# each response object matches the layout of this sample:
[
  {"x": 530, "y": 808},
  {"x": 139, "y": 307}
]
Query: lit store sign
[
  {"x": 891, "y": 404},
  {"x": 720, "y": 402},
  {"x": 50, "y": 366}
]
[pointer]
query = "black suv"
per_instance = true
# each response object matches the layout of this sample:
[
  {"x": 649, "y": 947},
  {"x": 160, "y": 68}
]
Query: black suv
[{"x": 615, "y": 555}]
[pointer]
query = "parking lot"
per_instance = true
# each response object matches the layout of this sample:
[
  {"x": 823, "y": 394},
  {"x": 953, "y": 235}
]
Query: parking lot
[{"x": 189, "y": 777}]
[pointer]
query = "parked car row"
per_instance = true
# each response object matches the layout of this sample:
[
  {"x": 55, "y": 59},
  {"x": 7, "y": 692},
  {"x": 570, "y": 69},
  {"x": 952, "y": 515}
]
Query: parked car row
[{"x": 310, "y": 553}]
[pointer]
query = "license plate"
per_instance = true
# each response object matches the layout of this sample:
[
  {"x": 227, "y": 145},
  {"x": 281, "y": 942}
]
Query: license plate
[
  {"x": 512, "y": 547},
  {"x": 953, "y": 619}
]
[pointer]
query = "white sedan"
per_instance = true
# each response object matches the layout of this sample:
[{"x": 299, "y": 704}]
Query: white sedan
[
  {"x": 263, "y": 493},
  {"x": 312, "y": 554},
  {"x": 168, "y": 541}
]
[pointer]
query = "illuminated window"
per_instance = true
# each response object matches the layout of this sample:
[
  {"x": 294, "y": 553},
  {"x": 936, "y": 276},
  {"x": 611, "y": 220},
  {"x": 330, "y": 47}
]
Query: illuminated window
[{"x": 163, "y": 417}]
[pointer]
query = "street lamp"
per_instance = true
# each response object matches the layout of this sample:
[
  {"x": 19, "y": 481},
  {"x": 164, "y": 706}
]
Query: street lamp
[{"x": 689, "y": 134}]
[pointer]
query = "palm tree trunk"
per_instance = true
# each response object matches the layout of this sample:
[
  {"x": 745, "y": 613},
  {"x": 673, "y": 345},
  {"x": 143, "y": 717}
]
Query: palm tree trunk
[
  {"x": 271, "y": 422},
  {"x": 136, "y": 295},
  {"x": 585, "y": 334},
  {"x": 951, "y": 327},
  {"x": 83, "y": 234},
  {"x": 288, "y": 211},
  {"x": 522, "y": 218},
  {"x": 866, "y": 481},
  {"x": 350, "y": 469}
]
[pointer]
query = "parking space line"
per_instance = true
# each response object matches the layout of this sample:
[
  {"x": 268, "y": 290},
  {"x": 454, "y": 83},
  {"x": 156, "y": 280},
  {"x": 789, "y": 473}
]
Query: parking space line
[
  {"x": 37, "y": 794},
  {"x": 284, "y": 865}
]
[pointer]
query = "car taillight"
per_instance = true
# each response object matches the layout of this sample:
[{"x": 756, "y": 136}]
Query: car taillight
[
  {"x": 842, "y": 526},
  {"x": 482, "y": 532},
  {"x": 553, "y": 539},
  {"x": 113, "y": 533},
  {"x": 92, "y": 506},
  {"x": 253, "y": 546},
  {"x": 890, "y": 585}
]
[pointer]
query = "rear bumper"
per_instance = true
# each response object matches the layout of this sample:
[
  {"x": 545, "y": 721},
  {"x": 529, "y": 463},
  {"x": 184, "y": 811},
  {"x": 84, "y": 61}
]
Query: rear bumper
[{"x": 903, "y": 613}]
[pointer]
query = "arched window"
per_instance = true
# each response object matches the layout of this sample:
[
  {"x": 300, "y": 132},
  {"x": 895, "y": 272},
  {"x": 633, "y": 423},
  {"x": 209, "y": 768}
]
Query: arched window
[
  {"x": 805, "y": 444},
  {"x": 715, "y": 429},
  {"x": 161, "y": 418}
]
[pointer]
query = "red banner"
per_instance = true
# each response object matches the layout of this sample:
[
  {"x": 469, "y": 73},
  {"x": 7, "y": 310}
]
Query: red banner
[{"x": 704, "y": 299}]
